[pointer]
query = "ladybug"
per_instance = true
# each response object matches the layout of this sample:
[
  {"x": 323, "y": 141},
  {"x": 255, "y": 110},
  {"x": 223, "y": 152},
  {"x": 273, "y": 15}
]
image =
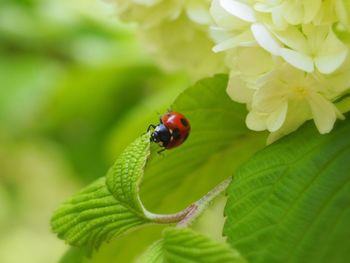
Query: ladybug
[{"x": 172, "y": 130}]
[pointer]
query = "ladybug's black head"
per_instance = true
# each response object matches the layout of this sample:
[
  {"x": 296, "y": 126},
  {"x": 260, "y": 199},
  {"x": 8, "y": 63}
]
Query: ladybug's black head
[{"x": 161, "y": 135}]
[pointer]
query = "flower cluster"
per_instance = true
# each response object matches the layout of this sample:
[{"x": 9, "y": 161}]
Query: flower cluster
[
  {"x": 176, "y": 32},
  {"x": 288, "y": 59}
]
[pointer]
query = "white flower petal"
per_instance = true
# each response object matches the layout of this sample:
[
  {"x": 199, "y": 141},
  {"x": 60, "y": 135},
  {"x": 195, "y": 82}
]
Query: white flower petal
[
  {"x": 297, "y": 114},
  {"x": 224, "y": 19},
  {"x": 263, "y": 61},
  {"x": 298, "y": 60},
  {"x": 218, "y": 34},
  {"x": 316, "y": 35},
  {"x": 238, "y": 90},
  {"x": 198, "y": 12},
  {"x": 225, "y": 45},
  {"x": 244, "y": 39},
  {"x": 265, "y": 39},
  {"x": 238, "y": 9},
  {"x": 323, "y": 111},
  {"x": 339, "y": 81},
  {"x": 262, "y": 7},
  {"x": 328, "y": 64},
  {"x": 289, "y": 76},
  {"x": 293, "y": 38},
  {"x": 293, "y": 12},
  {"x": 278, "y": 20},
  {"x": 311, "y": 8},
  {"x": 277, "y": 118},
  {"x": 326, "y": 14},
  {"x": 331, "y": 54},
  {"x": 256, "y": 121},
  {"x": 270, "y": 97}
]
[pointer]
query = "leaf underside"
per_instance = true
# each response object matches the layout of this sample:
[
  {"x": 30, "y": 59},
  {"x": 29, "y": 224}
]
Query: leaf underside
[{"x": 291, "y": 202}]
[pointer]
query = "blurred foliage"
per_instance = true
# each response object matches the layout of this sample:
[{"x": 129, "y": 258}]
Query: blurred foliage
[{"x": 73, "y": 82}]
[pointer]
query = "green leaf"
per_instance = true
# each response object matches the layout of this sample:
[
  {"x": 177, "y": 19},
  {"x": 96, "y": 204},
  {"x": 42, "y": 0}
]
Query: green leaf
[
  {"x": 109, "y": 207},
  {"x": 124, "y": 177},
  {"x": 218, "y": 143},
  {"x": 171, "y": 177},
  {"x": 290, "y": 203},
  {"x": 183, "y": 245}
]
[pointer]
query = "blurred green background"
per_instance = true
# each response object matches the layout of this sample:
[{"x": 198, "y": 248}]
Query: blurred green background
[{"x": 75, "y": 89}]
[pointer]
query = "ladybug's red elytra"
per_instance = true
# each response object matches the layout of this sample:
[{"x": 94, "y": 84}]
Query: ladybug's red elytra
[{"x": 172, "y": 130}]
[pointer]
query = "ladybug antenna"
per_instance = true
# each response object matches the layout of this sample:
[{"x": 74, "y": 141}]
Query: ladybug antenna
[{"x": 151, "y": 126}]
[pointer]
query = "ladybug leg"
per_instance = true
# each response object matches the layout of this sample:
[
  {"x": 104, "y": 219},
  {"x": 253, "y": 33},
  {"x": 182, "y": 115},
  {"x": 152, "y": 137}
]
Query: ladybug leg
[
  {"x": 151, "y": 126},
  {"x": 161, "y": 150}
]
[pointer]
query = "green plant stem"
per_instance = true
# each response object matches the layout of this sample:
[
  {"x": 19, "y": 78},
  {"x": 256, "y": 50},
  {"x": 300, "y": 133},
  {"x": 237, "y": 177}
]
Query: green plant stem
[
  {"x": 170, "y": 218},
  {"x": 189, "y": 214}
]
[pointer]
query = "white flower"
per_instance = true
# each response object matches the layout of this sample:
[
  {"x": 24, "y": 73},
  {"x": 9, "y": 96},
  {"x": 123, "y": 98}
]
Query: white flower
[
  {"x": 288, "y": 60},
  {"x": 312, "y": 47},
  {"x": 230, "y": 31},
  {"x": 307, "y": 47},
  {"x": 287, "y": 97},
  {"x": 246, "y": 77}
]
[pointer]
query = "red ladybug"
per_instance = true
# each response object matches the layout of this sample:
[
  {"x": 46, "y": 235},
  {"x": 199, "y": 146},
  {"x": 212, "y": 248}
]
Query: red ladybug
[{"x": 172, "y": 130}]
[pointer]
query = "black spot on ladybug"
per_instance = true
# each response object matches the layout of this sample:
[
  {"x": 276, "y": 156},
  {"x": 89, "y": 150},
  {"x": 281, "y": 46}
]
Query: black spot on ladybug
[
  {"x": 176, "y": 134},
  {"x": 184, "y": 122}
]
